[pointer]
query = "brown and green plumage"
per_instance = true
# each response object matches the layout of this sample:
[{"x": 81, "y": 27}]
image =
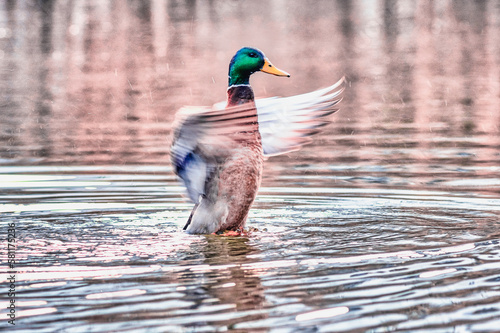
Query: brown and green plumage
[{"x": 219, "y": 152}]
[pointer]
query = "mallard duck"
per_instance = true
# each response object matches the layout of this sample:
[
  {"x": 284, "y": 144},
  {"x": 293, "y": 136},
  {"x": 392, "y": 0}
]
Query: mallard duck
[{"x": 218, "y": 152}]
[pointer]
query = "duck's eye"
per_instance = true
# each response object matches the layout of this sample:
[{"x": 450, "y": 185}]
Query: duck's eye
[{"x": 252, "y": 55}]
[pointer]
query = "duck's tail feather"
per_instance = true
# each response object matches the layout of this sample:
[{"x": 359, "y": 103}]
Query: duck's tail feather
[{"x": 206, "y": 217}]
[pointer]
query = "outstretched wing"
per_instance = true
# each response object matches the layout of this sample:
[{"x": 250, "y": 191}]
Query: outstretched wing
[
  {"x": 286, "y": 123},
  {"x": 203, "y": 137}
]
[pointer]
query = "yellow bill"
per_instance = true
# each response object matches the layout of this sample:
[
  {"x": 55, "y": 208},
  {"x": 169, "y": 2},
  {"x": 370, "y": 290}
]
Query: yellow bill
[{"x": 270, "y": 69}]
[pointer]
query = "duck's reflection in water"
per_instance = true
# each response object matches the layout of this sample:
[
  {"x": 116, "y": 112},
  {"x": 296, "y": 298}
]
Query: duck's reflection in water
[{"x": 224, "y": 284}]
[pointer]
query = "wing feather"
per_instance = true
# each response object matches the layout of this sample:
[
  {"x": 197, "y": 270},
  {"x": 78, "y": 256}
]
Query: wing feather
[
  {"x": 285, "y": 123},
  {"x": 202, "y": 137}
]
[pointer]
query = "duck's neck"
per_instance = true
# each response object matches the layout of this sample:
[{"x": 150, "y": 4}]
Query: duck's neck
[
  {"x": 239, "y": 94},
  {"x": 243, "y": 94}
]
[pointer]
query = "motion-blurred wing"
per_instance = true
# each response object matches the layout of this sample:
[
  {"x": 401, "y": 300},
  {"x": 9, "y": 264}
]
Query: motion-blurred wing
[
  {"x": 203, "y": 137},
  {"x": 286, "y": 123},
  {"x": 184, "y": 156}
]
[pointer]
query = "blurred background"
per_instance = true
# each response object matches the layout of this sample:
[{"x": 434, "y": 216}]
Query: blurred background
[
  {"x": 99, "y": 82},
  {"x": 388, "y": 221}
]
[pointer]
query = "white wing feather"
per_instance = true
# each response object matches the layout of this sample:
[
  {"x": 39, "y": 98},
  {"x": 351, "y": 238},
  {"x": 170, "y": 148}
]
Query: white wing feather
[{"x": 286, "y": 123}]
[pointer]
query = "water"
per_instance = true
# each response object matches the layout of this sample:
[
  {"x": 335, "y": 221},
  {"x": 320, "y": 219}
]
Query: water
[
  {"x": 389, "y": 221},
  {"x": 101, "y": 249}
]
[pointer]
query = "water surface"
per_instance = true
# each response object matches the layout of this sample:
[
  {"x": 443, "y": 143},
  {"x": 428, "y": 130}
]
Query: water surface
[{"x": 388, "y": 221}]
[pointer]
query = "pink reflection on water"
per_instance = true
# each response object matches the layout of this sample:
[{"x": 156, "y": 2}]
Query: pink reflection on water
[
  {"x": 104, "y": 82},
  {"x": 79, "y": 272},
  {"x": 116, "y": 294}
]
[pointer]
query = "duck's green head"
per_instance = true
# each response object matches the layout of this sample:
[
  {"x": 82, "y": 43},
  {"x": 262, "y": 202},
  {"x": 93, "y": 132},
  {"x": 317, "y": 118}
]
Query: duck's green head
[{"x": 248, "y": 61}]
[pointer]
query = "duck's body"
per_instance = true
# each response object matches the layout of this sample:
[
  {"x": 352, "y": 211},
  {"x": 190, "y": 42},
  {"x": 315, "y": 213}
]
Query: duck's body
[
  {"x": 219, "y": 153},
  {"x": 232, "y": 186}
]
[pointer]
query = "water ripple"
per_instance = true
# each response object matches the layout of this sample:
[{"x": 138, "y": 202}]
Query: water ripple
[{"x": 97, "y": 245}]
